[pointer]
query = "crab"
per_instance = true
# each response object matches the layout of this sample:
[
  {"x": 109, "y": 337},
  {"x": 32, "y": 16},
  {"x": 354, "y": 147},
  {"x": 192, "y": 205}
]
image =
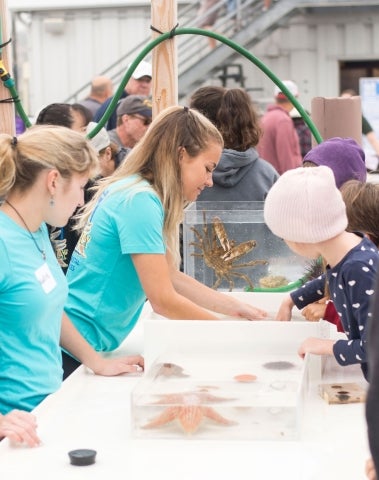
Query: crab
[
  {"x": 189, "y": 409},
  {"x": 221, "y": 254}
]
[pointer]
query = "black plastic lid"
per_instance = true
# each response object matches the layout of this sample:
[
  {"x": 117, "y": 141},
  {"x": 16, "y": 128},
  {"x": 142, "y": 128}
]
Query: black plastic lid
[{"x": 82, "y": 457}]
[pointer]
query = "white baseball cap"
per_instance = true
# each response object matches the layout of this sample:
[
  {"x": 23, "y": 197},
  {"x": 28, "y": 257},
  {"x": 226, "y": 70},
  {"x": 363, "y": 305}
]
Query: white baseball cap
[
  {"x": 290, "y": 85},
  {"x": 100, "y": 140},
  {"x": 143, "y": 69}
]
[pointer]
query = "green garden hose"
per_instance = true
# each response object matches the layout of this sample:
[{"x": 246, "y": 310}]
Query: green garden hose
[
  {"x": 284, "y": 288},
  {"x": 235, "y": 46},
  {"x": 10, "y": 84}
]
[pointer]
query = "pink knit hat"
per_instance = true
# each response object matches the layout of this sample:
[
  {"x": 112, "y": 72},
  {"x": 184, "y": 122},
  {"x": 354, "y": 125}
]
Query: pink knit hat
[{"x": 305, "y": 206}]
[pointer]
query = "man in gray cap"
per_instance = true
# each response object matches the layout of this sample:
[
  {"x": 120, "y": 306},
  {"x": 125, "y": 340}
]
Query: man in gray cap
[{"x": 134, "y": 115}]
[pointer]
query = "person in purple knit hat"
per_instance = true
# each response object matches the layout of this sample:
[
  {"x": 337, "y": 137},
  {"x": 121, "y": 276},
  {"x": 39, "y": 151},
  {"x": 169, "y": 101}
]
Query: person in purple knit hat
[{"x": 343, "y": 155}]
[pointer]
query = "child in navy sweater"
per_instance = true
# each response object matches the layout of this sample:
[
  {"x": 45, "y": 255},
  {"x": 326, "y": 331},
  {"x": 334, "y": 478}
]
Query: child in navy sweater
[{"x": 306, "y": 209}]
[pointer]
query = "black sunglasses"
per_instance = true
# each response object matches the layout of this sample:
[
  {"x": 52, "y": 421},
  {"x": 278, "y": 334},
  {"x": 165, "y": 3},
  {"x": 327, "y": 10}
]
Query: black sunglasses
[{"x": 145, "y": 120}]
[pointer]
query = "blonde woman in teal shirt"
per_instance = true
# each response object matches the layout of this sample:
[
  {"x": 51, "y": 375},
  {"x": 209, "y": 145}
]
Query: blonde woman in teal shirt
[
  {"x": 128, "y": 250},
  {"x": 43, "y": 174}
]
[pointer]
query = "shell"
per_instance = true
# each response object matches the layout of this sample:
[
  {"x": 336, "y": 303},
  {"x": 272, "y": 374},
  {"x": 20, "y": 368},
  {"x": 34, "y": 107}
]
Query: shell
[{"x": 245, "y": 378}]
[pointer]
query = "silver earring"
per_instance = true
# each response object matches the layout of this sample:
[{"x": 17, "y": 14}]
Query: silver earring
[{"x": 51, "y": 202}]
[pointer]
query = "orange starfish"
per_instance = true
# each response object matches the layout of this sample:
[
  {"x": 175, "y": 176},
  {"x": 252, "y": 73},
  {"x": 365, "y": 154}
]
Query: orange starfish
[{"x": 189, "y": 411}]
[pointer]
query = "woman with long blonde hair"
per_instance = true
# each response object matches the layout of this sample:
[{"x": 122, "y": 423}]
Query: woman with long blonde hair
[{"x": 128, "y": 250}]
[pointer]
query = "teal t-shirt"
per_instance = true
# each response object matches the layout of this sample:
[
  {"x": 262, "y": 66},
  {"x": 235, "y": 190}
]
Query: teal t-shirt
[
  {"x": 32, "y": 295},
  {"x": 105, "y": 294}
]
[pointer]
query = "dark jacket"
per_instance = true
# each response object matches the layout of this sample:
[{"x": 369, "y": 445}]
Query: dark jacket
[{"x": 112, "y": 121}]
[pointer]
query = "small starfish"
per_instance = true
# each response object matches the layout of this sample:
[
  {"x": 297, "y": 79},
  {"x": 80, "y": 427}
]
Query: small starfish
[{"x": 189, "y": 417}]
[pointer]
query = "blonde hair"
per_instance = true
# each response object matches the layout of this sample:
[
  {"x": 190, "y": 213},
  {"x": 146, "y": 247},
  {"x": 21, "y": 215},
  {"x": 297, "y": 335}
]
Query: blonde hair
[
  {"x": 42, "y": 147},
  {"x": 155, "y": 159}
]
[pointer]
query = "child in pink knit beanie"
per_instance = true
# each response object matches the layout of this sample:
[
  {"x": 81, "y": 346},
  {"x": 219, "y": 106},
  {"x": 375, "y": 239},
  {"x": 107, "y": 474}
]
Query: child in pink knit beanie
[
  {"x": 347, "y": 161},
  {"x": 305, "y": 208}
]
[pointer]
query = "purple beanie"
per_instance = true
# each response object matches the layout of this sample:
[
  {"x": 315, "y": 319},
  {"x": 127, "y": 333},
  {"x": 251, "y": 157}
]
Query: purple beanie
[{"x": 343, "y": 155}]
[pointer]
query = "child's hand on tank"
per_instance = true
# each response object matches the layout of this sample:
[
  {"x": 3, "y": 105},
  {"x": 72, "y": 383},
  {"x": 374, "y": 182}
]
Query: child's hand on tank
[
  {"x": 314, "y": 311},
  {"x": 285, "y": 309},
  {"x": 317, "y": 346}
]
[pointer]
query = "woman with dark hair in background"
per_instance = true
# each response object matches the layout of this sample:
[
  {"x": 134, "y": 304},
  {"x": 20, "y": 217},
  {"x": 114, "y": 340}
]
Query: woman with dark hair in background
[
  {"x": 241, "y": 175},
  {"x": 81, "y": 115}
]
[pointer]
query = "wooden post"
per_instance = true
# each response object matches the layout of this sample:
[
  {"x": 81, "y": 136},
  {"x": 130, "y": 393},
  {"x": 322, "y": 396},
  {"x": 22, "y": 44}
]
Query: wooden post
[
  {"x": 7, "y": 110},
  {"x": 165, "y": 63}
]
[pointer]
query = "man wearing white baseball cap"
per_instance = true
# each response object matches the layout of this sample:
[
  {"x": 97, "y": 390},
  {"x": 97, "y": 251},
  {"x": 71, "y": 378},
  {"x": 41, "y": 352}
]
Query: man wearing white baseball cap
[
  {"x": 138, "y": 84},
  {"x": 279, "y": 144}
]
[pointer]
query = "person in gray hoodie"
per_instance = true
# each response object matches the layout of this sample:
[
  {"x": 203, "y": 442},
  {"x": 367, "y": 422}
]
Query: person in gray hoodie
[{"x": 241, "y": 175}]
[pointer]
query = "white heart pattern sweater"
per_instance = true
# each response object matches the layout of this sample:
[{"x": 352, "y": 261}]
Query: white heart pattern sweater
[{"x": 351, "y": 286}]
